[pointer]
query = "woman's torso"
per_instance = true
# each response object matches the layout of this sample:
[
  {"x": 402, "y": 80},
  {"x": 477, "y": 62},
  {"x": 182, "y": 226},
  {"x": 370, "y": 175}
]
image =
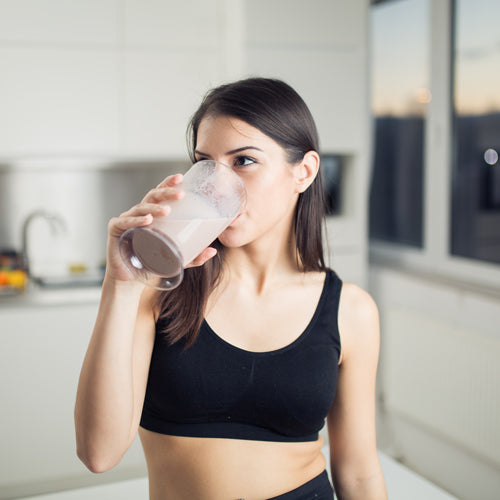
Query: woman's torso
[
  {"x": 288, "y": 347},
  {"x": 190, "y": 468}
]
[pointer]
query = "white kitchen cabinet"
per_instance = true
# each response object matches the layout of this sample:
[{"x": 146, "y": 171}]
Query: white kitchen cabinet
[
  {"x": 320, "y": 48},
  {"x": 55, "y": 101},
  {"x": 331, "y": 84},
  {"x": 59, "y": 21},
  {"x": 167, "y": 24},
  {"x": 315, "y": 23},
  {"x": 113, "y": 78},
  {"x": 162, "y": 90},
  {"x": 121, "y": 78},
  {"x": 172, "y": 54},
  {"x": 42, "y": 349}
]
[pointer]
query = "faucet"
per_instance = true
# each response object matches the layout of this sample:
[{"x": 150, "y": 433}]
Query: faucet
[{"x": 56, "y": 223}]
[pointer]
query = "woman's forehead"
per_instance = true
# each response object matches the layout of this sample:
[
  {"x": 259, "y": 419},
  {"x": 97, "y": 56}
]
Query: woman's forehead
[{"x": 230, "y": 129}]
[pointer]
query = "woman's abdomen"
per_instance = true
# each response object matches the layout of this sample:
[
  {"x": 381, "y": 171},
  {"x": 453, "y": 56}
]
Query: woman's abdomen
[{"x": 212, "y": 468}]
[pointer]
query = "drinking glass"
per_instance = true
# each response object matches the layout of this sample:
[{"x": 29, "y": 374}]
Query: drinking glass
[{"x": 157, "y": 254}]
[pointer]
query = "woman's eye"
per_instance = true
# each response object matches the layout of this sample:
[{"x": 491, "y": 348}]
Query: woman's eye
[{"x": 243, "y": 161}]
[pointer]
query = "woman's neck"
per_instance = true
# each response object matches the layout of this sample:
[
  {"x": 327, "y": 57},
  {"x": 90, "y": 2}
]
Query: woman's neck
[{"x": 261, "y": 264}]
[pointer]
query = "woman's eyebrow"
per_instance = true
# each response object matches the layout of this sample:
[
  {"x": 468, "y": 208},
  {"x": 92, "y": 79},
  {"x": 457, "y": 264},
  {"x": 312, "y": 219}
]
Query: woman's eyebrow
[
  {"x": 244, "y": 148},
  {"x": 201, "y": 153},
  {"x": 232, "y": 152}
]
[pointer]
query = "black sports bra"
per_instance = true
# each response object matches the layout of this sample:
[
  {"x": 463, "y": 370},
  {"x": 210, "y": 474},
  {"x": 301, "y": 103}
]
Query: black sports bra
[{"x": 214, "y": 389}]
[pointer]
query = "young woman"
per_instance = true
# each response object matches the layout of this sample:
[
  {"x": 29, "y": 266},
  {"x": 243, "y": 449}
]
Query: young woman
[{"x": 229, "y": 377}]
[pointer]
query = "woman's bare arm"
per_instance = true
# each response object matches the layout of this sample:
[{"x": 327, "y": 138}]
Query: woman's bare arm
[
  {"x": 356, "y": 470},
  {"x": 114, "y": 374}
]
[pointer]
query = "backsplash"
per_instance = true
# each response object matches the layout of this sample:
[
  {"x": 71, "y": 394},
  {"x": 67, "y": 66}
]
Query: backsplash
[{"x": 83, "y": 193}]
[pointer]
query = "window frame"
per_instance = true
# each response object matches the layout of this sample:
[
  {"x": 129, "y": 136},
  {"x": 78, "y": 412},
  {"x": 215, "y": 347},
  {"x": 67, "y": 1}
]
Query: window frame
[{"x": 435, "y": 259}]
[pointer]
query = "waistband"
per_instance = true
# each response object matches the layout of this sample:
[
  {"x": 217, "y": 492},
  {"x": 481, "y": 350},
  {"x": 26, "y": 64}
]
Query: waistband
[{"x": 318, "y": 488}]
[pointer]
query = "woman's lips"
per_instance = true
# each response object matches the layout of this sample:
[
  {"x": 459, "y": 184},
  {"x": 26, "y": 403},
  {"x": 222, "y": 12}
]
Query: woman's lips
[{"x": 236, "y": 218}]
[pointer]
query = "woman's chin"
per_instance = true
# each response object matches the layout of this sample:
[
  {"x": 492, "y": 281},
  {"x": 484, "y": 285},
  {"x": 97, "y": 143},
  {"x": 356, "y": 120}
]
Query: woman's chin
[
  {"x": 229, "y": 242},
  {"x": 231, "y": 238}
]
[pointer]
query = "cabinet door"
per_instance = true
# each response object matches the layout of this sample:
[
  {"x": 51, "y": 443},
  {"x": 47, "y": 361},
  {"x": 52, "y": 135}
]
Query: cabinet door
[
  {"x": 172, "y": 56},
  {"x": 321, "y": 51},
  {"x": 41, "y": 354}
]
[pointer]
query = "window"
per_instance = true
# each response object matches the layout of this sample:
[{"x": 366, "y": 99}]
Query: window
[
  {"x": 475, "y": 228},
  {"x": 400, "y": 94},
  {"x": 435, "y": 191}
]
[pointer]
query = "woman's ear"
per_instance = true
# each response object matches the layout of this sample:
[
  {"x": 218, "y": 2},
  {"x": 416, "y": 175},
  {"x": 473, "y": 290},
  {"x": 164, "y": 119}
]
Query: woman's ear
[{"x": 306, "y": 171}]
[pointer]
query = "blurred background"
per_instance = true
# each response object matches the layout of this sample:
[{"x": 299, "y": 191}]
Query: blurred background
[{"x": 95, "y": 96}]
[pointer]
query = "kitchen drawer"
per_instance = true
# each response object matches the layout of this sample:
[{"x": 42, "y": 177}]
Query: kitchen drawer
[{"x": 42, "y": 349}]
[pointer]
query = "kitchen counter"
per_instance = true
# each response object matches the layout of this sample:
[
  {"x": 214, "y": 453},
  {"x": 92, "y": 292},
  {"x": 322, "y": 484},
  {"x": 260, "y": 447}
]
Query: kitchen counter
[
  {"x": 44, "y": 335},
  {"x": 38, "y": 296}
]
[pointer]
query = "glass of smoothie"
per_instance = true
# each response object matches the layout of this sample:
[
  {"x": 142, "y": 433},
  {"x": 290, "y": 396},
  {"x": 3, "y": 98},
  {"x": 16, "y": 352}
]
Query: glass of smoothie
[{"x": 157, "y": 254}]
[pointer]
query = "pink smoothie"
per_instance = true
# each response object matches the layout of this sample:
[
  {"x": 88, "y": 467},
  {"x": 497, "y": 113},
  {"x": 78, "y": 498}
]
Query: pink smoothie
[{"x": 189, "y": 233}]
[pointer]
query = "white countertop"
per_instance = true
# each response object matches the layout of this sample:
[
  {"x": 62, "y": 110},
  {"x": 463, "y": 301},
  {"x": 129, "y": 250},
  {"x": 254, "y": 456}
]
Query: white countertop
[{"x": 35, "y": 296}]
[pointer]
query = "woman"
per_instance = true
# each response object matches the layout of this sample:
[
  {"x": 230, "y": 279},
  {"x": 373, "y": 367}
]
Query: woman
[{"x": 229, "y": 377}]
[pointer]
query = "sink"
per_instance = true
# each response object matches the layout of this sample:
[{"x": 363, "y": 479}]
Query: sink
[{"x": 68, "y": 281}]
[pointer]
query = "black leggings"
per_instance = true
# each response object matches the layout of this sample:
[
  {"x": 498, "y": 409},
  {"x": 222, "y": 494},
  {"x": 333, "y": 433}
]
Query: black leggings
[{"x": 318, "y": 488}]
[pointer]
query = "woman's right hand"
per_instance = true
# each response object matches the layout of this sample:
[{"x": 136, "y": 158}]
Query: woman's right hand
[{"x": 154, "y": 204}]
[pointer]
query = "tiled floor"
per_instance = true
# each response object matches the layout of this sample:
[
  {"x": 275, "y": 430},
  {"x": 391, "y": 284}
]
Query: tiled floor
[{"x": 402, "y": 484}]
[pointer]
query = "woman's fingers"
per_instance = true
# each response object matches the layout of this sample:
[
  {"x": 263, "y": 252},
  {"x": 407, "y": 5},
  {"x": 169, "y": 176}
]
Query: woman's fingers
[
  {"x": 153, "y": 205},
  {"x": 118, "y": 225},
  {"x": 166, "y": 190},
  {"x": 171, "y": 180},
  {"x": 163, "y": 194},
  {"x": 147, "y": 208},
  {"x": 204, "y": 256},
  {"x": 138, "y": 216}
]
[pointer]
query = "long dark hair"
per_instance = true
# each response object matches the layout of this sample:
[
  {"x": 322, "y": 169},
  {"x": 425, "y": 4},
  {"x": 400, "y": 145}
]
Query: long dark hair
[{"x": 276, "y": 109}]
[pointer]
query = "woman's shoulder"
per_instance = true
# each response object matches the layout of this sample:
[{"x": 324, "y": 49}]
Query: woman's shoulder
[
  {"x": 357, "y": 302},
  {"x": 358, "y": 317}
]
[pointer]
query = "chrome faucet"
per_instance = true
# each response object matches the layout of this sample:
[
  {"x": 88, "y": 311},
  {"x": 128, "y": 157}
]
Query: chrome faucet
[{"x": 56, "y": 222}]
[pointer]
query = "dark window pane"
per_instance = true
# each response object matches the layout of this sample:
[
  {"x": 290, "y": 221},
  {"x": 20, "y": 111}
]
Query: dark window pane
[
  {"x": 399, "y": 100},
  {"x": 475, "y": 228}
]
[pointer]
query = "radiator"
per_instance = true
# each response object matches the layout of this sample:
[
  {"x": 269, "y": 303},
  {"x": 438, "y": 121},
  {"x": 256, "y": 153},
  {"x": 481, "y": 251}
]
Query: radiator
[{"x": 443, "y": 378}]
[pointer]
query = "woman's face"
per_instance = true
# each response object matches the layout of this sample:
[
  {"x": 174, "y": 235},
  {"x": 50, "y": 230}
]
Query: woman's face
[{"x": 270, "y": 181}]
